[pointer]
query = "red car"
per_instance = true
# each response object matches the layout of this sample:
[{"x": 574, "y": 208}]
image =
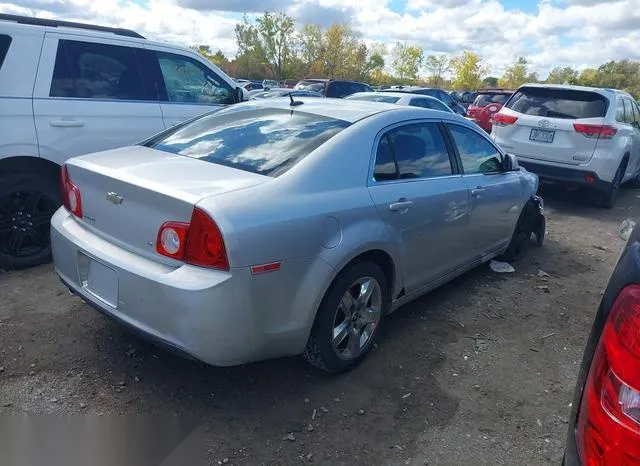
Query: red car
[{"x": 487, "y": 103}]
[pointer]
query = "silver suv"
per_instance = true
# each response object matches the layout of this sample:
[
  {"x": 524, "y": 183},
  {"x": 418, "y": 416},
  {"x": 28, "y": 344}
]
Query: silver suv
[{"x": 580, "y": 136}]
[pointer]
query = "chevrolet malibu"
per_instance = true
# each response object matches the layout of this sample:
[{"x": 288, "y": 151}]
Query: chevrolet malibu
[{"x": 284, "y": 227}]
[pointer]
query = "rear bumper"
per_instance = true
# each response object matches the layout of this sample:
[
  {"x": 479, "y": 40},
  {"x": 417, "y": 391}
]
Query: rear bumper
[
  {"x": 573, "y": 176},
  {"x": 213, "y": 316}
]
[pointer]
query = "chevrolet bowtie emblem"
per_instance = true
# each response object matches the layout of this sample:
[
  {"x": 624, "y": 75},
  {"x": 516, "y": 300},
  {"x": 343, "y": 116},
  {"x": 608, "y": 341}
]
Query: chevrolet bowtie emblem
[{"x": 114, "y": 197}]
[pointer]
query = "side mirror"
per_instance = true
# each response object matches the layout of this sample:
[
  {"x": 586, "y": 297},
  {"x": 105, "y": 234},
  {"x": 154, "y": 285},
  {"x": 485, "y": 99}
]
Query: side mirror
[
  {"x": 241, "y": 94},
  {"x": 510, "y": 163}
]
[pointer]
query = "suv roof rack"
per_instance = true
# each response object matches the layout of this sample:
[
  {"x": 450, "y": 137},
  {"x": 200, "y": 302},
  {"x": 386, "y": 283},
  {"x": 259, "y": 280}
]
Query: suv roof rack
[{"x": 68, "y": 24}]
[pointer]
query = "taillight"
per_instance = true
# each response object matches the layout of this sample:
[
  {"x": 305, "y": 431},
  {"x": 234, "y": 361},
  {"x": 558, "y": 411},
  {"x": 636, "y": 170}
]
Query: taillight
[
  {"x": 198, "y": 242},
  {"x": 596, "y": 131},
  {"x": 501, "y": 119},
  {"x": 70, "y": 193},
  {"x": 608, "y": 430}
]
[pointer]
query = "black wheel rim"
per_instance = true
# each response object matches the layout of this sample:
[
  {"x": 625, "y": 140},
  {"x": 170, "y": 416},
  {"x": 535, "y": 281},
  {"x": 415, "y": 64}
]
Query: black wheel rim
[{"x": 24, "y": 222}]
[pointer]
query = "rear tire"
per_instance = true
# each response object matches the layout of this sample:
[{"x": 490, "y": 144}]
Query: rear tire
[
  {"x": 607, "y": 199},
  {"x": 346, "y": 327},
  {"x": 27, "y": 202}
]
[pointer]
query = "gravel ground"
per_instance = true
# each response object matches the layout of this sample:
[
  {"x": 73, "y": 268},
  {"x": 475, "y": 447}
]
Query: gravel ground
[{"x": 480, "y": 371}]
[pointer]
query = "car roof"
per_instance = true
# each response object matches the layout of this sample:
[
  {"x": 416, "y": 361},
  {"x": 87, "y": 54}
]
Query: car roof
[
  {"x": 341, "y": 109},
  {"x": 599, "y": 90}
]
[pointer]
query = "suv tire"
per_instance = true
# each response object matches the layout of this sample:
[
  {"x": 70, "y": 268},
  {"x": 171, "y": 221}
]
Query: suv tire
[
  {"x": 607, "y": 199},
  {"x": 27, "y": 202}
]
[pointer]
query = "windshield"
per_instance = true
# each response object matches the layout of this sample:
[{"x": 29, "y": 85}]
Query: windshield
[
  {"x": 558, "y": 103},
  {"x": 374, "y": 98},
  {"x": 259, "y": 140}
]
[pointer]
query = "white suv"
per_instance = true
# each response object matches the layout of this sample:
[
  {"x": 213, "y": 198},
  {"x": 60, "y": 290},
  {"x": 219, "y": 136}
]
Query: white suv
[
  {"x": 67, "y": 89},
  {"x": 581, "y": 136}
]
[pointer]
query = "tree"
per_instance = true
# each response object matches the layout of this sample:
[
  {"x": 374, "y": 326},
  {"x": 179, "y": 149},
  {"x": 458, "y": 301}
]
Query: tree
[
  {"x": 310, "y": 48},
  {"x": 516, "y": 75},
  {"x": 406, "y": 61},
  {"x": 490, "y": 81},
  {"x": 250, "y": 54},
  {"x": 340, "y": 48},
  {"x": 566, "y": 75},
  {"x": 468, "y": 71},
  {"x": 276, "y": 36},
  {"x": 437, "y": 65}
]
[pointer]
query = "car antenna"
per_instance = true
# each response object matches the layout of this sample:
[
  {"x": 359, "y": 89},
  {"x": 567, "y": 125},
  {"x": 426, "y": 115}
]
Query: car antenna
[{"x": 294, "y": 103}]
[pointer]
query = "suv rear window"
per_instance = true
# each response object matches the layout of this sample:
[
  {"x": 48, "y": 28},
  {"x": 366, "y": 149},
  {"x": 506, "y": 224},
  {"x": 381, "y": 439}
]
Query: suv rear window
[
  {"x": 558, "y": 103},
  {"x": 266, "y": 141},
  {"x": 485, "y": 99},
  {"x": 5, "y": 42}
]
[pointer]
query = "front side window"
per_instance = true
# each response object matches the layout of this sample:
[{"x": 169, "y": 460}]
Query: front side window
[
  {"x": 96, "y": 71},
  {"x": 5, "y": 42},
  {"x": 265, "y": 141},
  {"x": 477, "y": 154},
  {"x": 189, "y": 81},
  {"x": 417, "y": 151}
]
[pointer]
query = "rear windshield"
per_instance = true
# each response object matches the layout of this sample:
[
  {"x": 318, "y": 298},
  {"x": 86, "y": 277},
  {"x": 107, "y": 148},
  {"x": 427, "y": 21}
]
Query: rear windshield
[
  {"x": 5, "y": 41},
  {"x": 558, "y": 103},
  {"x": 264, "y": 141},
  {"x": 485, "y": 99},
  {"x": 311, "y": 86},
  {"x": 374, "y": 98}
]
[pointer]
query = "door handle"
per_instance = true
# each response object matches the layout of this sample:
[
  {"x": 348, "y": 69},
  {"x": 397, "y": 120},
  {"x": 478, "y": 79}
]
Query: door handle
[
  {"x": 401, "y": 206},
  {"x": 477, "y": 191},
  {"x": 67, "y": 123}
]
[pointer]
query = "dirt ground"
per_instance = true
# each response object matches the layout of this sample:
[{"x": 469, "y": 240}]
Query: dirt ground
[{"x": 480, "y": 371}]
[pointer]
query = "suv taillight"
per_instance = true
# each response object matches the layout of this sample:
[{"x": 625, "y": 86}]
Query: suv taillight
[
  {"x": 596, "y": 131},
  {"x": 608, "y": 430},
  {"x": 501, "y": 119},
  {"x": 70, "y": 193},
  {"x": 198, "y": 242}
]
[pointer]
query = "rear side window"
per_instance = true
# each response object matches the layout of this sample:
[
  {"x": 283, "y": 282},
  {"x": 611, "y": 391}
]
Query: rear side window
[
  {"x": 264, "y": 141},
  {"x": 619, "y": 110},
  {"x": 558, "y": 103},
  {"x": 5, "y": 42},
  {"x": 416, "y": 150},
  {"x": 96, "y": 71}
]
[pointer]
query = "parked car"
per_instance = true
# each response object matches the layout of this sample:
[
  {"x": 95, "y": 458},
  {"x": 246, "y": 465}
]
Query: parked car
[
  {"x": 333, "y": 87},
  {"x": 252, "y": 85},
  {"x": 289, "y": 83},
  {"x": 467, "y": 98},
  {"x": 270, "y": 84},
  {"x": 282, "y": 92},
  {"x": 69, "y": 89},
  {"x": 486, "y": 104},
  {"x": 439, "y": 94},
  {"x": 400, "y": 98},
  {"x": 579, "y": 136},
  {"x": 272, "y": 228},
  {"x": 604, "y": 426}
]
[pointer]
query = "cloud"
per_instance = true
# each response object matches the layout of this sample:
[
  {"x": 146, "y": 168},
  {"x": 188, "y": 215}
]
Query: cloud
[
  {"x": 312, "y": 12},
  {"x": 253, "y": 6}
]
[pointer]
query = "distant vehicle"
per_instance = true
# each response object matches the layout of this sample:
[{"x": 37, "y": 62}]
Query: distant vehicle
[
  {"x": 604, "y": 426},
  {"x": 270, "y": 84},
  {"x": 467, "y": 98},
  {"x": 283, "y": 92},
  {"x": 67, "y": 89},
  {"x": 272, "y": 229},
  {"x": 439, "y": 94},
  {"x": 333, "y": 87},
  {"x": 579, "y": 136},
  {"x": 289, "y": 83},
  {"x": 400, "y": 98},
  {"x": 486, "y": 104}
]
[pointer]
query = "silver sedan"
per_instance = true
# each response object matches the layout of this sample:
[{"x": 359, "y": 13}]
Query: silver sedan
[
  {"x": 278, "y": 227},
  {"x": 402, "y": 98}
]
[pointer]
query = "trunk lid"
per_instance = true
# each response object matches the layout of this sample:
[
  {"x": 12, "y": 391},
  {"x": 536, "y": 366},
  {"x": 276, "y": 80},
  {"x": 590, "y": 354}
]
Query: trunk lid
[
  {"x": 545, "y": 130},
  {"x": 128, "y": 193}
]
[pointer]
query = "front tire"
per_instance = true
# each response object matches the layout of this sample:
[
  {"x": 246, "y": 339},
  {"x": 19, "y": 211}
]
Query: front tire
[
  {"x": 522, "y": 234},
  {"x": 349, "y": 318},
  {"x": 27, "y": 202}
]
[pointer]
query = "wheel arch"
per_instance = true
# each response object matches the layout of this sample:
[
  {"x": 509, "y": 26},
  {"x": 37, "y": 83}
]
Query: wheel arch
[{"x": 26, "y": 164}]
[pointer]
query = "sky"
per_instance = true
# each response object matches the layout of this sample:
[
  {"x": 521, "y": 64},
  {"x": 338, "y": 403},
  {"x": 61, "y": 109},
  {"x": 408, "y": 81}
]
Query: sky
[{"x": 548, "y": 33}]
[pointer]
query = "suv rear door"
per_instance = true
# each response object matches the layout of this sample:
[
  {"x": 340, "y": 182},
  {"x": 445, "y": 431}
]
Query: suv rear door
[
  {"x": 544, "y": 129},
  {"x": 89, "y": 97}
]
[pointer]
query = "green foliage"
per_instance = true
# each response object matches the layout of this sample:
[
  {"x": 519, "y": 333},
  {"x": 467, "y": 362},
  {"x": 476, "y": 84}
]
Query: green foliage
[
  {"x": 560, "y": 75},
  {"x": 468, "y": 71},
  {"x": 406, "y": 61},
  {"x": 490, "y": 81},
  {"x": 517, "y": 74},
  {"x": 437, "y": 65}
]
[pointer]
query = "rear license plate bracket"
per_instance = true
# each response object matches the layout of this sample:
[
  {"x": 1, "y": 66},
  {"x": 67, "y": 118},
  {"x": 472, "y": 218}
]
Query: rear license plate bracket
[
  {"x": 98, "y": 279},
  {"x": 542, "y": 135}
]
